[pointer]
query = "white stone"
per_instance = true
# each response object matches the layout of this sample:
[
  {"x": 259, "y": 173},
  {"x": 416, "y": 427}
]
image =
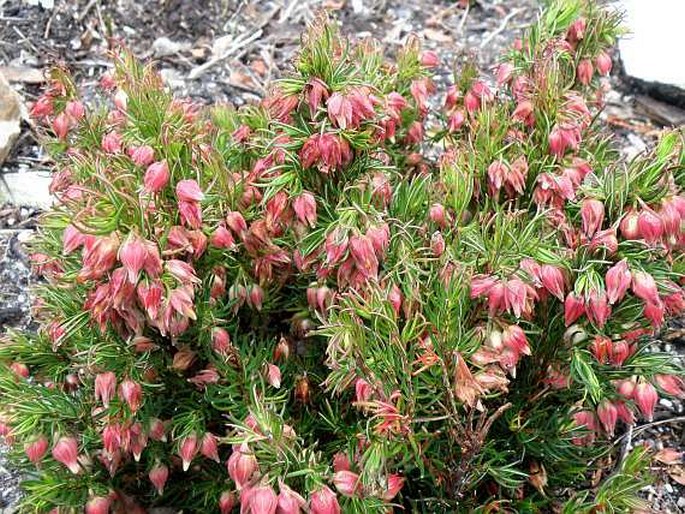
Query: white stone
[
  {"x": 26, "y": 188},
  {"x": 651, "y": 50}
]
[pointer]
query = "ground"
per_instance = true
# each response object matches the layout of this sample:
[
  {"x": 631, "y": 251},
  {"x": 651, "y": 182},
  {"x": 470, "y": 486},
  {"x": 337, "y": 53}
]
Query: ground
[{"x": 228, "y": 51}]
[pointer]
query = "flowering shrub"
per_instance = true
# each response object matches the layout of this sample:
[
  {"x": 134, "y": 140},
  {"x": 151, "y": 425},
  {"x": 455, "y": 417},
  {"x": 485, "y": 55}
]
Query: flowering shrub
[{"x": 358, "y": 295}]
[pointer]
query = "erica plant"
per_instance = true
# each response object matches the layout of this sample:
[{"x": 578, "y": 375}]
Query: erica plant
[{"x": 357, "y": 296}]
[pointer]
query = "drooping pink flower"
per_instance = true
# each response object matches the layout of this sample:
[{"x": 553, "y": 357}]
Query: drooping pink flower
[
  {"x": 133, "y": 254},
  {"x": 289, "y": 502},
  {"x": 209, "y": 447},
  {"x": 608, "y": 415},
  {"x": 227, "y": 501},
  {"x": 105, "y": 387},
  {"x": 514, "y": 338},
  {"x": 437, "y": 243},
  {"x": 304, "y": 206},
  {"x": 98, "y": 505},
  {"x": 629, "y": 225},
  {"x": 111, "y": 142},
  {"x": 649, "y": 226},
  {"x": 597, "y": 307},
  {"x": 187, "y": 449},
  {"x": 592, "y": 215},
  {"x": 347, "y": 483},
  {"x": 316, "y": 91},
  {"x": 552, "y": 279},
  {"x": 36, "y": 449},
  {"x": 671, "y": 384},
  {"x": 617, "y": 281},
  {"x": 646, "y": 398},
  {"x": 273, "y": 375},
  {"x": 324, "y": 501},
  {"x": 61, "y": 125},
  {"x": 394, "y": 485},
  {"x": 430, "y": 59},
  {"x": 242, "y": 464},
  {"x": 142, "y": 155},
  {"x": 131, "y": 392},
  {"x": 189, "y": 191},
  {"x": 158, "y": 475},
  {"x": 156, "y": 176},
  {"x": 364, "y": 255},
  {"x": 584, "y": 72},
  {"x": 603, "y": 63},
  {"x": 644, "y": 287},
  {"x": 66, "y": 452}
]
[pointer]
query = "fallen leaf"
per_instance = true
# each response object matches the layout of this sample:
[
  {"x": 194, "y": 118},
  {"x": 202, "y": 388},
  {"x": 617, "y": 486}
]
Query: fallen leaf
[
  {"x": 259, "y": 67},
  {"x": 241, "y": 79},
  {"x": 677, "y": 474},
  {"x": 669, "y": 456},
  {"x": 437, "y": 35}
]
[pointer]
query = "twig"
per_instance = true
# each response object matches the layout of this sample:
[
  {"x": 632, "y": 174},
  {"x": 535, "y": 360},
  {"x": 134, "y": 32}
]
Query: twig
[
  {"x": 642, "y": 428},
  {"x": 86, "y": 10},
  {"x": 501, "y": 28},
  {"x": 462, "y": 22}
]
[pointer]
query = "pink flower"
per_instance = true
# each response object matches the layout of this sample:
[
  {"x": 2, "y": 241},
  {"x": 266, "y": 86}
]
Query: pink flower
[
  {"x": 646, "y": 398},
  {"x": 430, "y": 59},
  {"x": 584, "y": 72},
  {"x": 597, "y": 307},
  {"x": 60, "y": 125},
  {"x": 576, "y": 31},
  {"x": 273, "y": 375},
  {"x": 617, "y": 281},
  {"x": 339, "y": 110},
  {"x": 121, "y": 100},
  {"x": 132, "y": 393},
  {"x": 226, "y": 502},
  {"x": 552, "y": 279},
  {"x": 209, "y": 447},
  {"x": 504, "y": 73},
  {"x": 649, "y": 226},
  {"x": 189, "y": 191},
  {"x": 603, "y": 63},
  {"x": 156, "y": 176},
  {"x": 262, "y": 500},
  {"x": 141, "y": 155},
  {"x": 36, "y": 450},
  {"x": 222, "y": 238},
  {"x": 608, "y": 415},
  {"x": 316, "y": 91},
  {"x": 395, "y": 484},
  {"x": 644, "y": 287},
  {"x": 324, "y": 501},
  {"x": 364, "y": 255},
  {"x": 111, "y": 142},
  {"x": 105, "y": 387},
  {"x": 98, "y": 505},
  {"x": 592, "y": 215},
  {"x": 437, "y": 244},
  {"x": 289, "y": 502},
  {"x": 133, "y": 254},
  {"x": 347, "y": 483},
  {"x": 242, "y": 464},
  {"x": 236, "y": 223},
  {"x": 629, "y": 225},
  {"x": 187, "y": 449},
  {"x": 66, "y": 452},
  {"x": 158, "y": 475},
  {"x": 304, "y": 206}
]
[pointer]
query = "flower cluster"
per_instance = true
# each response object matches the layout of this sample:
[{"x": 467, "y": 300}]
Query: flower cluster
[{"x": 356, "y": 295}]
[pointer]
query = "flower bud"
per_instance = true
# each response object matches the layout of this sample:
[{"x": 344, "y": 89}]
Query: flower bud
[
  {"x": 132, "y": 393},
  {"x": 644, "y": 287},
  {"x": 242, "y": 464},
  {"x": 649, "y": 226},
  {"x": 221, "y": 341},
  {"x": 437, "y": 244},
  {"x": 289, "y": 502},
  {"x": 273, "y": 375},
  {"x": 209, "y": 447},
  {"x": 156, "y": 176},
  {"x": 157, "y": 430},
  {"x": 395, "y": 484},
  {"x": 324, "y": 501},
  {"x": 261, "y": 500},
  {"x": 189, "y": 191},
  {"x": 222, "y": 238},
  {"x": 36, "y": 450},
  {"x": 608, "y": 415},
  {"x": 20, "y": 369},
  {"x": 592, "y": 214},
  {"x": 629, "y": 225},
  {"x": 105, "y": 387},
  {"x": 158, "y": 475},
  {"x": 305, "y": 208},
  {"x": 255, "y": 297},
  {"x": 456, "y": 121},
  {"x": 98, "y": 505},
  {"x": 142, "y": 155},
  {"x": 671, "y": 384},
  {"x": 347, "y": 483},
  {"x": 552, "y": 279},
  {"x": 438, "y": 215},
  {"x": 603, "y": 63},
  {"x": 66, "y": 452},
  {"x": 646, "y": 398},
  {"x": 187, "y": 449},
  {"x": 341, "y": 462},
  {"x": 430, "y": 59},
  {"x": 395, "y": 298},
  {"x": 597, "y": 307},
  {"x": 617, "y": 281},
  {"x": 363, "y": 390},
  {"x": 60, "y": 125},
  {"x": 227, "y": 501},
  {"x": 236, "y": 223},
  {"x": 584, "y": 72},
  {"x": 121, "y": 100},
  {"x": 133, "y": 254},
  {"x": 111, "y": 142}
]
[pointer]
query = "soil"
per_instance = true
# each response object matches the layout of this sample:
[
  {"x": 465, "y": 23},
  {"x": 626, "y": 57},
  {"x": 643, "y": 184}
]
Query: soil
[{"x": 248, "y": 43}]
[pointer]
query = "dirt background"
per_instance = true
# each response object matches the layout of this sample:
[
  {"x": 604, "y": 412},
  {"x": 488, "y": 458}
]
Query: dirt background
[{"x": 229, "y": 51}]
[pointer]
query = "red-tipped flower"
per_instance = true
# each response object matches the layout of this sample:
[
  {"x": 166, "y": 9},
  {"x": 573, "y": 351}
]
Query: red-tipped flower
[{"x": 66, "y": 452}]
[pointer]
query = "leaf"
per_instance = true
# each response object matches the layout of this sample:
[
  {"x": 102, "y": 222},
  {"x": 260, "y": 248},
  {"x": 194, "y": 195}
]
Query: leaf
[
  {"x": 669, "y": 456},
  {"x": 677, "y": 474}
]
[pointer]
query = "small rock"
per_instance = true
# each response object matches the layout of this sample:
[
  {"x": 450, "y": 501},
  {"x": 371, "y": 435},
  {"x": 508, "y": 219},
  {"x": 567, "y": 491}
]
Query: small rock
[
  {"x": 665, "y": 402},
  {"x": 163, "y": 47},
  {"x": 668, "y": 488},
  {"x": 10, "y": 116},
  {"x": 681, "y": 502}
]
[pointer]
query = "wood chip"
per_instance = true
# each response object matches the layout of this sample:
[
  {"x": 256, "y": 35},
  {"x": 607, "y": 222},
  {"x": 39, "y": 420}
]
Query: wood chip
[
  {"x": 437, "y": 35},
  {"x": 669, "y": 456}
]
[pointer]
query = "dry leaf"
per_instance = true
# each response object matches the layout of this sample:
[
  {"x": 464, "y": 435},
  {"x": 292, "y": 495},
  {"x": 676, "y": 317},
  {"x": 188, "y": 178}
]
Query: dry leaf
[
  {"x": 259, "y": 67},
  {"x": 437, "y": 35},
  {"x": 669, "y": 456},
  {"x": 677, "y": 474},
  {"x": 241, "y": 79}
]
